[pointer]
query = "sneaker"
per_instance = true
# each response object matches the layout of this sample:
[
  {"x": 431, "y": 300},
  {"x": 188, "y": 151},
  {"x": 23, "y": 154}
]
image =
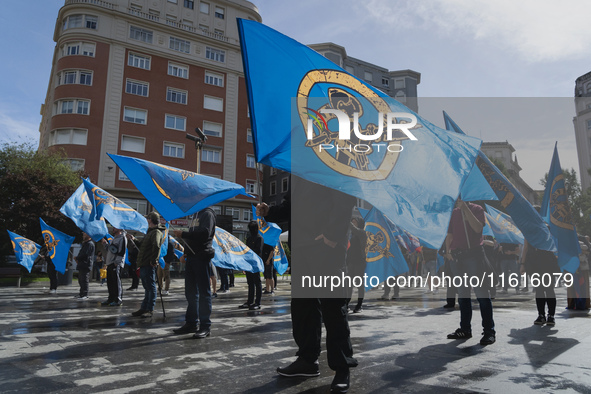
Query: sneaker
[
  {"x": 550, "y": 321},
  {"x": 83, "y": 298},
  {"x": 459, "y": 334},
  {"x": 132, "y": 288},
  {"x": 449, "y": 306},
  {"x": 224, "y": 291},
  {"x": 185, "y": 329},
  {"x": 357, "y": 309},
  {"x": 139, "y": 312},
  {"x": 106, "y": 303},
  {"x": 202, "y": 333},
  {"x": 340, "y": 383},
  {"x": 488, "y": 339},
  {"x": 165, "y": 292},
  {"x": 214, "y": 295},
  {"x": 254, "y": 307},
  {"x": 300, "y": 367},
  {"x": 244, "y": 306},
  {"x": 147, "y": 314},
  {"x": 116, "y": 303},
  {"x": 384, "y": 298},
  {"x": 267, "y": 292},
  {"x": 53, "y": 291},
  {"x": 540, "y": 321}
]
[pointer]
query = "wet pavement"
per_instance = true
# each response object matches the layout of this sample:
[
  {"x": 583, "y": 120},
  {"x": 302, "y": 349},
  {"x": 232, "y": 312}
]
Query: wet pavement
[{"x": 54, "y": 343}]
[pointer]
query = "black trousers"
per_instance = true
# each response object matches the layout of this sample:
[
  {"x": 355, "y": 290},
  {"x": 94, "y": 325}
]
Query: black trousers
[
  {"x": 254, "y": 287},
  {"x": 114, "y": 283},
  {"x": 307, "y": 315},
  {"x": 52, "y": 273},
  {"x": 83, "y": 280}
]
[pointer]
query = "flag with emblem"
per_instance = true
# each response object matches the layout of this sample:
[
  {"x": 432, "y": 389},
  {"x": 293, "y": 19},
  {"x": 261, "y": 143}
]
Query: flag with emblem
[
  {"x": 525, "y": 217},
  {"x": 25, "y": 250},
  {"x": 173, "y": 192},
  {"x": 232, "y": 253},
  {"x": 119, "y": 214},
  {"x": 313, "y": 119},
  {"x": 557, "y": 213},
  {"x": 58, "y": 245},
  {"x": 79, "y": 209},
  {"x": 280, "y": 259},
  {"x": 502, "y": 227},
  {"x": 269, "y": 231}
]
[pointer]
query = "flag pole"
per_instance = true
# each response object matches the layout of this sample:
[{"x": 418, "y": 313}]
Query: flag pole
[
  {"x": 181, "y": 238},
  {"x": 160, "y": 291}
]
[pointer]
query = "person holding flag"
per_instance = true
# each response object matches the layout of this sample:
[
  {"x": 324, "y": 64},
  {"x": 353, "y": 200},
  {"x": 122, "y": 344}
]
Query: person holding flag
[
  {"x": 115, "y": 259},
  {"x": 255, "y": 242},
  {"x": 147, "y": 261},
  {"x": 84, "y": 262}
]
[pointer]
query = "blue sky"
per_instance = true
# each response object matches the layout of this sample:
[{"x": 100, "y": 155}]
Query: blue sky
[{"x": 462, "y": 48}]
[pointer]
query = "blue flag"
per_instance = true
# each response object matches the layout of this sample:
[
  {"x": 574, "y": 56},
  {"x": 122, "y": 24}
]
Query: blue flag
[
  {"x": 557, "y": 213},
  {"x": 58, "y": 245},
  {"x": 79, "y": 209},
  {"x": 486, "y": 230},
  {"x": 232, "y": 253},
  {"x": 269, "y": 231},
  {"x": 119, "y": 214},
  {"x": 502, "y": 227},
  {"x": 163, "y": 247},
  {"x": 521, "y": 211},
  {"x": 173, "y": 192},
  {"x": 178, "y": 248},
  {"x": 280, "y": 259},
  {"x": 391, "y": 157},
  {"x": 384, "y": 257},
  {"x": 25, "y": 250}
]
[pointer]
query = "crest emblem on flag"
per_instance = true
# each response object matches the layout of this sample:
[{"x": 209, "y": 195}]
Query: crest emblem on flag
[
  {"x": 560, "y": 212},
  {"x": 28, "y": 247},
  {"x": 230, "y": 244},
  {"x": 360, "y": 158},
  {"x": 50, "y": 242},
  {"x": 378, "y": 242}
]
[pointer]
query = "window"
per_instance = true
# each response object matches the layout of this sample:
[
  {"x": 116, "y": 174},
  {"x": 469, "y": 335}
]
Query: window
[
  {"x": 179, "y": 45},
  {"x": 177, "y": 70},
  {"x": 385, "y": 82},
  {"x": 175, "y": 122},
  {"x": 190, "y": 4},
  {"x": 133, "y": 144},
  {"x": 136, "y": 87},
  {"x": 72, "y": 106},
  {"x": 212, "y": 129},
  {"x": 141, "y": 206},
  {"x": 273, "y": 187},
  {"x": 251, "y": 187},
  {"x": 172, "y": 1},
  {"x": 218, "y": 32},
  {"x": 273, "y": 171},
  {"x": 139, "y": 34},
  {"x": 204, "y": 7},
  {"x": 86, "y": 78},
  {"x": 368, "y": 76},
  {"x": 75, "y": 77},
  {"x": 78, "y": 48},
  {"x": 213, "y": 103},
  {"x": 176, "y": 96},
  {"x": 219, "y": 12},
  {"x": 78, "y": 20},
  {"x": 250, "y": 162},
  {"x": 214, "y": 79},
  {"x": 138, "y": 61},
  {"x": 284, "y": 185},
  {"x": 68, "y": 136},
  {"x": 172, "y": 149},
  {"x": 399, "y": 83},
  {"x": 123, "y": 177},
  {"x": 204, "y": 28},
  {"x": 215, "y": 54},
  {"x": 75, "y": 164},
  {"x": 135, "y": 115},
  {"x": 247, "y": 213},
  {"x": 211, "y": 155},
  {"x": 249, "y": 137},
  {"x": 217, "y": 209},
  {"x": 234, "y": 212}
]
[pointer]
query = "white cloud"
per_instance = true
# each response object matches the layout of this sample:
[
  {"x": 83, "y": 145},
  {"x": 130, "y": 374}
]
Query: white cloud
[
  {"x": 15, "y": 130},
  {"x": 536, "y": 30}
]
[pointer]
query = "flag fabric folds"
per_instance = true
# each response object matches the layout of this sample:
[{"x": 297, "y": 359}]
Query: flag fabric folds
[
  {"x": 58, "y": 245},
  {"x": 119, "y": 214},
  {"x": 412, "y": 173},
  {"x": 178, "y": 248},
  {"x": 384, "y": 257},
  {"x": 231, "y": 253},
  {"x": 280, "y": 259},
  {"x": 79, "y": 209},
  {"x": 164, "y": 247},
  {"x": 25, "y": 250},
  {"x": 173, "y": 192},
  {"x": 269, "y": 231},
  {"x": 557, "y": 213},
  {"x": 502, "y": 227},
  {"x": 525, "y": 217}
]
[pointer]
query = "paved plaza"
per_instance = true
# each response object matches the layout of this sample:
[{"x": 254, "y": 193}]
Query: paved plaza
[{"x": 54, "y": 343}]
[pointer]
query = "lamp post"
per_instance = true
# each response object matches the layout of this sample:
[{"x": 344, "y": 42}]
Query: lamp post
[{"x": 199, "y": 139}]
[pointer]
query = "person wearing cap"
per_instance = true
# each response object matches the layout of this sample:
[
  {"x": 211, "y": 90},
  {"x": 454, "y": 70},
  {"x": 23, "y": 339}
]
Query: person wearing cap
[
  {"x": 147, "y": 262},
  {"x": 114, "y": 261}
]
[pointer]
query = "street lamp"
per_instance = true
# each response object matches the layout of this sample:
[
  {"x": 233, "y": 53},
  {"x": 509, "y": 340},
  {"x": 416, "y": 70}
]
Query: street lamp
[{"x": 199, "y": 139}]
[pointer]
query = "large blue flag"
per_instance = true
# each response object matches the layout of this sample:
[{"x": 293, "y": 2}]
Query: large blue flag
[
  {"x": 58, "y": 245},
  {"x": 25, "y": 250},
  {"x": 163, "y": 247},
  {"x": 119, "y": 214},
  {"x": 269, "y": 231},
  {"x": 79, "y": 209},
  {"x": 231, "y": 253},
  {"x": 280, "y": 259},
  {"x": 521, "y": 211},
  {"x": 390, "y": 156},
  {"x": 384, "y": 257},
  {"x": 502, "y": 227},
  {"x": 557, "y": 213},
  {"x": 173, "y": 192}
]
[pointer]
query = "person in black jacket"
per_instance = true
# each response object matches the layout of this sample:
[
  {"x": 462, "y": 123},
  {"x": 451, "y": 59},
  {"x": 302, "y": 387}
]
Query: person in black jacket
[
  {"x": 356, "y": 257},
  {"x": 84, "y": 261},
  {"x": 197, "y": 287},
  {"x": 255, "y": 242}
]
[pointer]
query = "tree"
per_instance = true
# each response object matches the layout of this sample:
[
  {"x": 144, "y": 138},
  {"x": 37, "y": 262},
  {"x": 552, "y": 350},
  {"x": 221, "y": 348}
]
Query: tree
[{"x": 33, "y": 184}]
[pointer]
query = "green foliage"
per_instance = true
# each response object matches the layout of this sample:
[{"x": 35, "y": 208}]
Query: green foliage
[
  {"x": 32, "y": 185},
  {"x": 499, "y": 164}
]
